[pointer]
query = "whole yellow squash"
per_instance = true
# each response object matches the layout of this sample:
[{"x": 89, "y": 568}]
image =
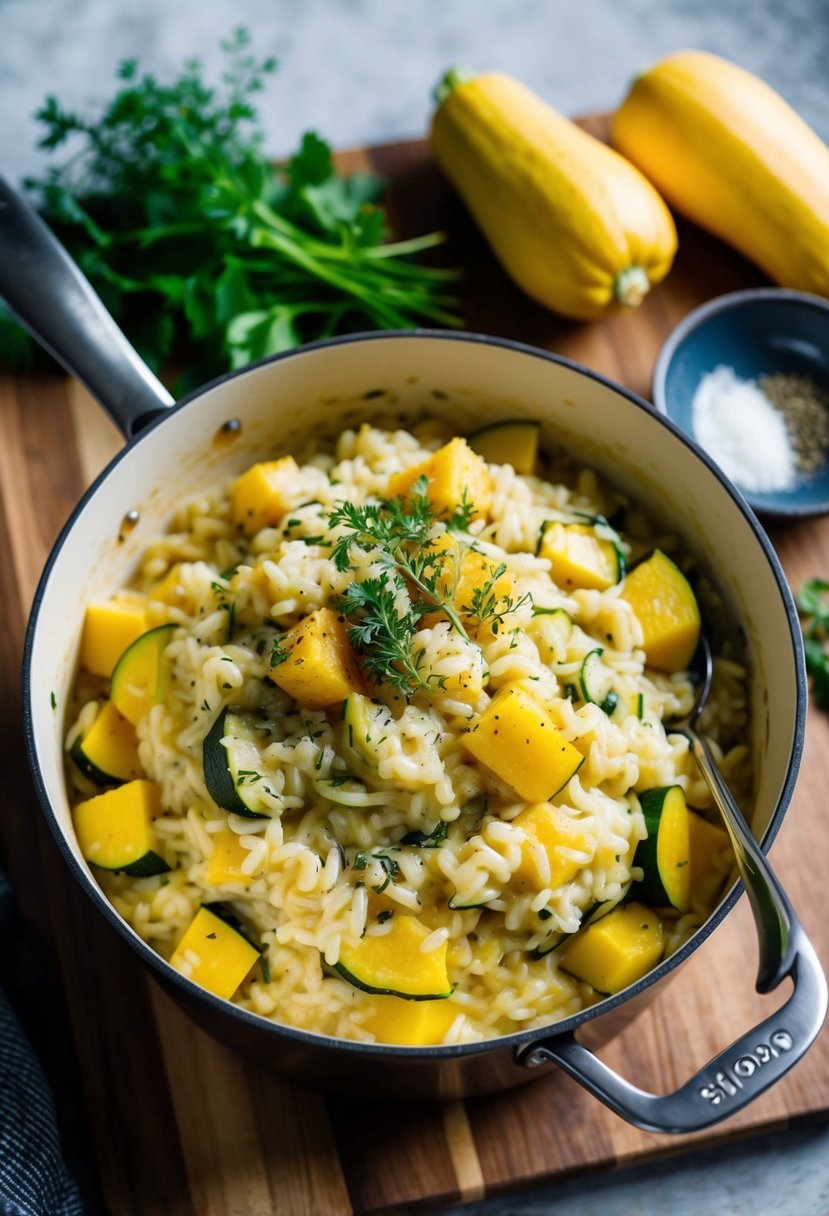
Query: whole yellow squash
[
  {"x": 727, "y": 151},
  {"x": 573, "y": 223}
]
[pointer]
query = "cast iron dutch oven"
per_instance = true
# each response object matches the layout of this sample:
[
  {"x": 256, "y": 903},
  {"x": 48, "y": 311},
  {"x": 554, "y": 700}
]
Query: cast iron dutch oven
[{"x": 175, "y": 449}]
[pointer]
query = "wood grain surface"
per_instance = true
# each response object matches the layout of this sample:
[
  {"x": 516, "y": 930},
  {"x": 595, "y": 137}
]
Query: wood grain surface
[{"x": 179, "y": 1125}]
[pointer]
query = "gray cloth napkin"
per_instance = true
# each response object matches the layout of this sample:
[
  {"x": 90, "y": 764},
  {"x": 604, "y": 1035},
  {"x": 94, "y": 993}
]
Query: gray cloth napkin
[{"x": 34, "y": 1180}]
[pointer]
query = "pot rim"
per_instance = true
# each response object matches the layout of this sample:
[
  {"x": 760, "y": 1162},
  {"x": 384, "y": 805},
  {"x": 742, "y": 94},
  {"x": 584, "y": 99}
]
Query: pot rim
[{"x": 191, "y": 991}]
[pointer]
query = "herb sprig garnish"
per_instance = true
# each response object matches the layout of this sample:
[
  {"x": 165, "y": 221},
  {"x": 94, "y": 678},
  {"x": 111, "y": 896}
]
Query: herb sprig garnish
[
  {"x": 421, "y": 568},
  {"x": 491, "y": 609},
  {"x": 384, "y": 635},
  {"x": 398, "y": 530},
  {"x": 203, "y": 250}
]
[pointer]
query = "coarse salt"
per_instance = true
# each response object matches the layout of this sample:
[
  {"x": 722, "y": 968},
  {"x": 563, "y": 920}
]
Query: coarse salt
[{"x": 737, "y": 425}]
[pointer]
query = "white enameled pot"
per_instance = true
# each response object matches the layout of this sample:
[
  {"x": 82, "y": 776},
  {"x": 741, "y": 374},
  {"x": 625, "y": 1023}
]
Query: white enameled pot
[{"x": 318, "y": 390}]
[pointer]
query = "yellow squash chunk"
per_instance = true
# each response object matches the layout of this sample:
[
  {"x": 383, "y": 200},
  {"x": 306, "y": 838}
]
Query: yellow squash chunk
[
  {"x": 579, "y": 557},
  {"x": 454, "y": 474},
  {"x": 475, "y": 573},
  {"x": 572, "y": 222},
  {"x": 513, "y": 443},
  {"x": 108, "y": 630},
  {"x": 728, "y": 152},
  {"x": 213, "y": 954},
  {"x": 394, "y": 963},
  {"x": 558, "y": 833},
  {"x": 225, "y": 864},
  {"x": 321, "y": 668},
  {"x": 114, "y": 829},
  {"x": 479, "y": 573},
  {"x": 138, "y": 681},
  {"x": 410, "y": 1023},
  {"x": 262, "y": 495},
  {"x": 517, "y": 739},
  {"x": 664, "y": 603},
  {"x": 170, "y": 590},
  {"x": 617, "y": 950},
  {"x": 707, "y": 843},
  {"x": 109, "y": 749}
]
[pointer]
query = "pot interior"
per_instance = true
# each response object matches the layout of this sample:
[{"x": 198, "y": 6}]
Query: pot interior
[{"x": 319, "y": 391}]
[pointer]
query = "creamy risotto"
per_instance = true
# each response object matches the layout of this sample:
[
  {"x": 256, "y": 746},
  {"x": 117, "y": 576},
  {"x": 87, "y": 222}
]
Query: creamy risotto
[{"x": 377, "y": 743}]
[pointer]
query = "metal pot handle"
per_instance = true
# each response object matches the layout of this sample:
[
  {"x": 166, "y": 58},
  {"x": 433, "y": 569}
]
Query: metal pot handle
[
  {"x": 735, "y": 1077},
  {"x": 57, "y": 305}
]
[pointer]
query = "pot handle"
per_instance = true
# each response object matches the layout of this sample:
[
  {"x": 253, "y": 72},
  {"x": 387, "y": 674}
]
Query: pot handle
[
  {"x": 735, "y": 1077},
  {"x": 47, "y": 291}
]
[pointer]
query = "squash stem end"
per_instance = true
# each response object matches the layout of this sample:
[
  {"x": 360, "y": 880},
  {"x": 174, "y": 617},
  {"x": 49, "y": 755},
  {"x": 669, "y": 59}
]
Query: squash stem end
[{"x": 631, "y": 286}]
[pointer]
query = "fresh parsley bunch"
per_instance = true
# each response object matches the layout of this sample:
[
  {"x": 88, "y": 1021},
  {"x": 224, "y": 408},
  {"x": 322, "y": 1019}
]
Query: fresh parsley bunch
[
  {"x": 206, "y": 254},
  {"x": 813, "y": 605}
]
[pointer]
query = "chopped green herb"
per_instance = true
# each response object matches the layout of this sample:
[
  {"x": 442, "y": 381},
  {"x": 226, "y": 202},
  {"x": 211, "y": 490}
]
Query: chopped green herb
[
  {"x": 427, "y": 840},
  {"x": 53, "y": 700},
  {"x": 385, "y": 915},
  {"x": 278, "y": 653},
  {"x": 544, "y": 914}
]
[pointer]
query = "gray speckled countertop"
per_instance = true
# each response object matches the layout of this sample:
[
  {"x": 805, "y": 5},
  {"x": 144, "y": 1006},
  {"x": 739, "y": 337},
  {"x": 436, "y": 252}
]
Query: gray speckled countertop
[{"x": 362, "y": 71}]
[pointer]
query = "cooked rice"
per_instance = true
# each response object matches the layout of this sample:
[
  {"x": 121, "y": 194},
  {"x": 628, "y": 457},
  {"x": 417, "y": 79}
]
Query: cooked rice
[{"x": 299, "y": 895}]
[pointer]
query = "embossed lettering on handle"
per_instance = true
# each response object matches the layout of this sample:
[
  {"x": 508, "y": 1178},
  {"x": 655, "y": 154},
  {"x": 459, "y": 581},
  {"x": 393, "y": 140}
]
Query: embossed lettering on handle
[{"x": 730, "y": 1081}]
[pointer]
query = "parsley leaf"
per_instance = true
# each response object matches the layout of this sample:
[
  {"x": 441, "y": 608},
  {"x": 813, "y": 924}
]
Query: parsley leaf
[
  {"x": 205, "y": 253},
  {"x": 813, "y": 605}
]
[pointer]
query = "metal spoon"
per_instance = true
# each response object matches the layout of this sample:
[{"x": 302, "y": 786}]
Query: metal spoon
[{"x": 778, "y": 928}]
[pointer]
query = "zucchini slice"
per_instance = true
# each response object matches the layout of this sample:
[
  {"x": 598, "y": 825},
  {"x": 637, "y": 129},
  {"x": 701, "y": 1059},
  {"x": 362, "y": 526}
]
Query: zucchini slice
[
  {"x": 580, "y": 558},
  {"x": 393, "y": 964},
  {"x": 232, "y": 762},
  {"x": 513, "y": 442},
  {"x": 138, "y": 678},
  {"x": 597, "y": 911},
  {"x": 365, "y": 724},
  {"x": 596, "y": 682},
  {"x": 108, "y": 753},
  {"x": 114, "y": 829},
  {"x": 665, "y": 855},
  {"x": 214, "y": 952}
]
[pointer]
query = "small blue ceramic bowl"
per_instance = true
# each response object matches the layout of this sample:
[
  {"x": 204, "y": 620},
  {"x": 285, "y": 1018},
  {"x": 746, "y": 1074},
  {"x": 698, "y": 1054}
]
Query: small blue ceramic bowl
[{"x": 755, "y": 332}]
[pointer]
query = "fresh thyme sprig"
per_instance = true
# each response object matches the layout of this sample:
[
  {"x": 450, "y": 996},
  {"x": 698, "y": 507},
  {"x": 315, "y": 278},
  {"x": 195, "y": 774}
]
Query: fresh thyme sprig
[
  {"x": 398, "y": 530},
  {"x": 385, "y": 636},
  {"x": 420, "y": 561},
  {"x": 489, "y": 608}
]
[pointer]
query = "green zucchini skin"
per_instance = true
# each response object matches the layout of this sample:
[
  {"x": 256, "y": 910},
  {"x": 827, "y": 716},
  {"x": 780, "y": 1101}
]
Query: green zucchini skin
[
  {"x": 146, "y": 866},
  {"x": 595, "y": 682},
  {"x": 493, "y": 443},
  {"x": 218, "y": 774},
  {"x": 123, "y": 671},
  {"x": 659, "y": 887},
  {"x": 406, "y": 996},
  {"x": 90, "y": 770}
]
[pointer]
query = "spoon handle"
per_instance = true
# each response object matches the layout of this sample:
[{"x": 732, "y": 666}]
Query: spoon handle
[{"x": 775, "y": 918}]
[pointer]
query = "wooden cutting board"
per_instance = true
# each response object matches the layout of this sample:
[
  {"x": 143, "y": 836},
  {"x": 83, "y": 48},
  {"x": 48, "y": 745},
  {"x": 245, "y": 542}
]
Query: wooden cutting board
[{"x": 176, "y": 1123}]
